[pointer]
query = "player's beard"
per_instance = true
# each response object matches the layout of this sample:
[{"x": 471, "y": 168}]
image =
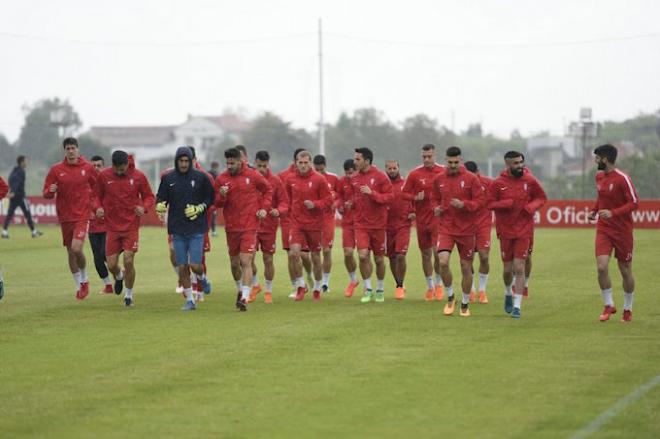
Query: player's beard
[
  {"x": 601, "y": 166},
  {"x": 518, "y": 172}
]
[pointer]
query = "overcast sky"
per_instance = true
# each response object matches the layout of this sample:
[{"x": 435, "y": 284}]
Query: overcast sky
[{"x": 528, "y": 65}]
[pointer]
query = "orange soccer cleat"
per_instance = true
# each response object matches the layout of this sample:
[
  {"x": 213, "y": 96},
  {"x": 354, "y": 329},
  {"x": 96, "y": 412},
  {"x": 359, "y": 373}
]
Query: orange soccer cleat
[
  {"x": 482, "y": 297},
  {"x": 268, "y": 297},
  {"x": 428, "y": 296},
  {"x": 465, "y": 310},
  {"x": 439, "y": 294},
  {"x": 607, "y": 312},
  {"x": 256, "y": 289},
  {"x": 350, "y": 289},
  {"x": 472, "y": 298},
  {"x": 107, "y": 289},
  {"x": 449, "y": 307},
  {"x": 400, "y": 293}
]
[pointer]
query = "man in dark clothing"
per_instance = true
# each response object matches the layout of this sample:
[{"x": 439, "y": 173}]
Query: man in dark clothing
[
  {"x": 215, "y": 171},
  {"x": 17, "y": 197},
  {"x": 185, "y": 194}
]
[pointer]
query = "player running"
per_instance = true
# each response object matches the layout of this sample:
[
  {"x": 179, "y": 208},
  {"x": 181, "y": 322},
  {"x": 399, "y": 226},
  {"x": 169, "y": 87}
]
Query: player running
[
  {"x": 345, "y": 208},
  {"x": 617, "y": 198},
  {"x": 123, "y": 196},
  {"x": 482, "y": 238},
  {"x": 245, "y": 197},
  {"x": 400, "y": 215},
  {"x": 418, "y": 188},
  {"x": 267, "y": 234},
  {"x": 328, "y": 232},
  {"x": 97, "y": 238},
  {"x": 185, "y": 194},
  {"x": 457, "y": 195},
  {"x": 72, "y": 183},
  {"x": 514, "y": 196}
]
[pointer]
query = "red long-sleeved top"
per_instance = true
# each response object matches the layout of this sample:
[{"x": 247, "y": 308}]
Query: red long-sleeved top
[
  {"x": 617, "y": 194},
  {"x": 76, "y": 186},
  {"x": 514, "y": 200},
  {"x": 279, "y": 202},
  {"x": 399, "y": 210},
  {"x": 484, "y": 215},
  {"x": 4, "y": 188},
  {"x": 421, "y": 179},
  {"x": 344, "y": 194},
  {"x": 463, "y": 186},
  {"x": 333, "y": 182},
  {"x": 371, "y": 210},
  {"x": 311, "y": 186}
]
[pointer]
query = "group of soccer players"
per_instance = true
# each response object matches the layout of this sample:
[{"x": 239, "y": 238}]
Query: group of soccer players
[{"x": 451, "y": 205}]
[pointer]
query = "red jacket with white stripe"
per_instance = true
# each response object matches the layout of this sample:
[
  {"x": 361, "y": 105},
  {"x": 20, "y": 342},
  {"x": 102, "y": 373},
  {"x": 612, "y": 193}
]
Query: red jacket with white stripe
[
  {"x": 248, "y": 192},
  {"x": 617, "y": 194},
  {"x": 313, "y": 187},
  {"x": 421, "y": 179},
  {"x": 371, "y": 210},
  {"x": 76, "y": 185},
  {"x": 279, "y": 202},
  {"x": 463, "y": 186}
]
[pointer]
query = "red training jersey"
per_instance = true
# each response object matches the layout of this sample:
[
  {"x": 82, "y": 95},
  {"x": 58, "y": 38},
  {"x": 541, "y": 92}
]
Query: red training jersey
[
  {"x": 465, "y": 187},
  {"x": 419, "y": 180},
  {"x": 343, "y": 195},
  {"x": 333, "y": 182},
  {"x": 313, "y": 187},
  {"x": 279, "y": 202},
  {"x": 371, "y": 210},
  {"x": 617, "y": 194},
  {"x": 4, "y": 188},
  {"x": 76, "y": 186},
  {"x": 399, "y": 210},
  {"x": 484, "y": 215}
]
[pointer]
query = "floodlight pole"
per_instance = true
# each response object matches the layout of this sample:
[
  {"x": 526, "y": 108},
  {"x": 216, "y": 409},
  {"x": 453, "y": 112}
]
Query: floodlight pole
[{"x": 321, "y": 121}]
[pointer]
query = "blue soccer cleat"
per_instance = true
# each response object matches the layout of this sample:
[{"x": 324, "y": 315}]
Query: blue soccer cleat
[
  {"x": 189, "y": 306},
  {"x": 515, "y": 314},
  {"x": 128, "y": 302},
  {"x": 508, "y": 304},
  {"x": 206, "y": 286},
  {"x": 119, "y": 286}
]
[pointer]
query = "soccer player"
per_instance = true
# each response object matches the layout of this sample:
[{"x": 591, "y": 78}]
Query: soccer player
[
  {"x": 400, "y": 215},
  {"x": 245, "y": 197},
  {"x": 184, "y": 194},
  {"x": 457, "y": 195},
  {"x": 482, "y": 238},
  {"x": 4, "y": 190},
  {"x": 267, "y": 234},
  {"x": 123, "y": 196},
  {"x": 97, "y": 237},
  {"x": 309, "y": 196},
  {"x": 17, "y": 198},
  {"x": 328, "y": 232},
  {"x": 418, "y": 188},
  {"x": 371, "y": 193},
  {"x": 285, "y": 229},
  {"x": 514, "y": 196},
  {"x": 345, "y": 208},
  {"x": 72, "y": 183},
  {"x": 617, "y": 198}
]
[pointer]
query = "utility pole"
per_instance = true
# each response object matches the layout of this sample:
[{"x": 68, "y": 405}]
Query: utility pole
[
  {"x": 585, "y": 129},
  {"x": 321, "y": 121}
]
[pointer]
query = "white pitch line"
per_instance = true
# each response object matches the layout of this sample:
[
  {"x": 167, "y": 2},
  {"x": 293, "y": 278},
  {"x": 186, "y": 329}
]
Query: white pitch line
[{"x": 616, "y": 408}]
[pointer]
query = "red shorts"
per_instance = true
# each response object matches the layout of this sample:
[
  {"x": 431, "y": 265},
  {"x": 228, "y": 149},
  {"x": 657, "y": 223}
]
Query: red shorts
[
  {"x": 328, "y": 233},
  {"x": 117, "y": 242},
  {"x": 482, "y": 239},
  {"x": 308, "y": 240},
  {"x": 241, "y": 242},
  {"x": 348, "y": 237},
  {"x": 266, "y": 242},
  {"x": 397, "y": 241},
  {"x": 427, "y": 237},
  {"x": 371, "y": 239},
  {"x": 623, "y": 246},
  {"x": 514, "y": 248},
  {"x": 464, "y": 244},
  {"x": 74, "y": 230}
]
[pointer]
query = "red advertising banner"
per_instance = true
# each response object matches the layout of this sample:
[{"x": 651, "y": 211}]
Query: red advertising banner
[{"x": 555, "y": 213}]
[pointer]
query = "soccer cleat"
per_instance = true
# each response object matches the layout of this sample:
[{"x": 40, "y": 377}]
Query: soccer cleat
[
  {"x": 84, "y": 290},
  {"x": 428, "y": 296},
  {"x": 293, "y": 293},
  {"x": 367, "y": 296},
  {"x": 465, "y": 310},
  {"x": 189, "y": 306},
  {"x": 128, "y": 302},
  {"x": 242, "y": 305},
  {"x": 199, "y": 297},
  {"x": 316, "y": 295},
  {"x": 350, "y": 289},
  {"x": 205, "y": 286},
  {"x": 268, "y": 297},
  {"x": 439, "y": 294},
  {"x": 515, "y": 314},
  {"x": 380, "y": 296},
  {"x": 214, "y": 234},
  {"x": 627, "y": 316},
  {"x": 256, "y": 289},
  {"x": 2, "y": 287},
  {"x": 325, "y": 289},
  {"x": 472, "y": 296},
  {"x": 607, "y": 312},
  {"x": 483, "y": 298},
  {"x": 508, "y": 304},
  {"x": 400, "y": 293},
  {"x": 107, "y": 289},
  {"x": 525, "y": 292},
  {"x": 300, "y": 293},
  {"x": 119, "y": 286},
  {"x": 37, "y": 233},
  {"x": 239, "y": 296},
  {"x": 5, "y": 234},
  {"x": 179, "y": 289},
  {"x": 449, "y": 307}
]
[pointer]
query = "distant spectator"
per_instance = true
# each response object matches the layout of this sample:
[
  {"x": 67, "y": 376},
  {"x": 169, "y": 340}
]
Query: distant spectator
[{"x": 17, "y": 198}]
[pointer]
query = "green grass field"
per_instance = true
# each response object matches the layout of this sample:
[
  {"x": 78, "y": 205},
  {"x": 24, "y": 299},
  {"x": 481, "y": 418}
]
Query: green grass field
[{"x": 336, "y": 368}]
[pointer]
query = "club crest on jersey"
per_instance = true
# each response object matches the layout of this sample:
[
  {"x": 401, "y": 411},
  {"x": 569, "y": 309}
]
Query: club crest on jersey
[
  {"x": 82, "y": 172},
  {"x": 130, "y": 182},
  {"x": 247, "y": 180},
  {"x": 525, "y": 186},
  {"x": 192, "y": 183},
  {"x": 462, "y": 184},
  {"x": 372, "y": 181},
  {"x": 423, "y": 181},
  {"x": 611, "y": 186},
  {"x": 310, "y": 184}
]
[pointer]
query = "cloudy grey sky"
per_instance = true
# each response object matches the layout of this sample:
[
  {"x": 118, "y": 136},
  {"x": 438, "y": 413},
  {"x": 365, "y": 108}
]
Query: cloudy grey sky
[{"x": 511, "y": 64}]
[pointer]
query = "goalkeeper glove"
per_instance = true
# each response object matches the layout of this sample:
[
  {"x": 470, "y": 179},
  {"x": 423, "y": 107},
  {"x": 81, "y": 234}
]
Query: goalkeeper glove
[
  {"x": 193, "y": 211},
  {"x": 161, "y": 208}
]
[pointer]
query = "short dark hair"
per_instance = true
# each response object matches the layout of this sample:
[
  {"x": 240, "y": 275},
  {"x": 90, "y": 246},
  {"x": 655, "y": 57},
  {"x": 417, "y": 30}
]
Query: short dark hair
[
  {"x": 428, "y": 147},
  {"x": 20, "y": 159},
  {"x": 69, "y": 141},
  {"x": 471, "y": 166},
  {"x": 119, "y": 158},
  {"x": 319, "y": 159},
  {"x": 453, "y": 151},
  {"x": 215, "y": 164},
  {"x": 96, "y": 158},
  {"x": 262, "y": 156},
  {"x": 295, "y": 153},
  {"x": 242, "y": 149},
  {"x": 232, "y": 153},
  {"x": 608, "y": 151},
  {"x": 349, "y": 164},
  {"x": 366, "y": 153},
  {"x": 513, "y": 155}
]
